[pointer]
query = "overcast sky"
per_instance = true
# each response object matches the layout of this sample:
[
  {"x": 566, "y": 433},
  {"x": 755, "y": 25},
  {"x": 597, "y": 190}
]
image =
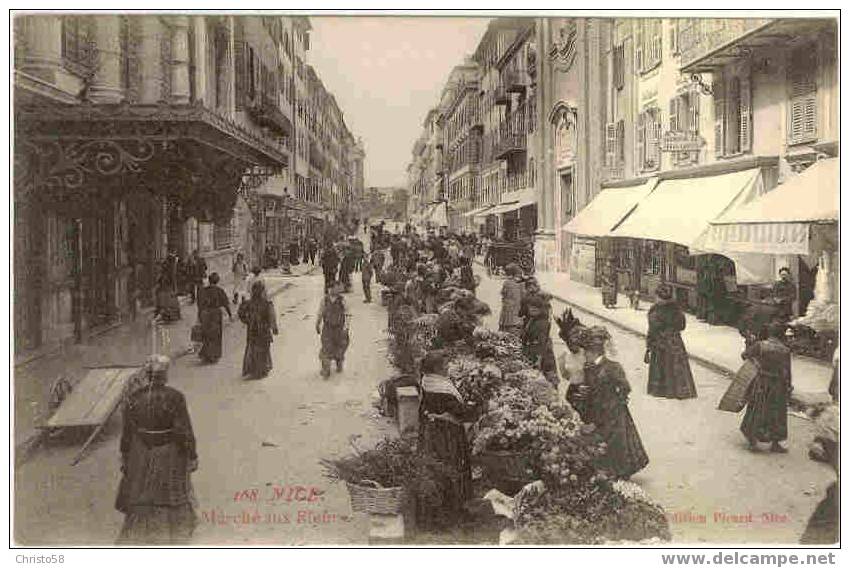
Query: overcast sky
[{"x": 386, "y": 73}]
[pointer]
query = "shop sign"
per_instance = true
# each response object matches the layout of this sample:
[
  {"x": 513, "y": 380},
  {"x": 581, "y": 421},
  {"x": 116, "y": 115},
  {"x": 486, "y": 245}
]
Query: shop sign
[{"x": 682, "y": 141}]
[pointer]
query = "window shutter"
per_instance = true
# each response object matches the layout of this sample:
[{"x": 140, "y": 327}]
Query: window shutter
[
  {"x": 241, "y": 63},
  {"x": 803, "y": 104},
  {"x": 674, "y": 36},
  {"x": 639, "y": 45},
  {"x": 693, "y": 112},
  {"x": 621, "y": 141},
  {"x": 674, "y": 114},
  {"x": 656, "y": 42},
  {"x": 619, "y": 66},
  {"x": 640, "y": 134},
  {"x": 654, "y": 142},
  {"x": 719, "y": 119},
  {"x": 610, "y": 144},
  {"x": 745, "y": 120}
]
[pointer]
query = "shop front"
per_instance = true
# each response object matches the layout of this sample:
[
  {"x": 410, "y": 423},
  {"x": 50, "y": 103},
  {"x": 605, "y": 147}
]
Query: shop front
[{"x": 103, "y": 194}]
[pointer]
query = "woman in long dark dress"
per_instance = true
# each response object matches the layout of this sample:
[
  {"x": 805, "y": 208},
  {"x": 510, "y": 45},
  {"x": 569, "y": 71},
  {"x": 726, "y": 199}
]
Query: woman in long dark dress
[
  {"x": 157, "y": 459},
  {"x": 212, "y": 300},
  {"x": 766, "y": 418},
  {"x": 259, "y": 317},
  {"x": 603, "y": 401},
  {"x": 669, "y": 369},
  {"x": 610, "y": 284}
]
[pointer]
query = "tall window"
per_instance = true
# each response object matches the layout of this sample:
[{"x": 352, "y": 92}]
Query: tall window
[
  {"x": 77, "y": 36},
  {"x": 619, "y": 66},
  {"x": 732, "y": 115},
  {"x": 648, "y": 140},
  {"x": 647, "y": 44},
  {"x": 802, "y": 100}
]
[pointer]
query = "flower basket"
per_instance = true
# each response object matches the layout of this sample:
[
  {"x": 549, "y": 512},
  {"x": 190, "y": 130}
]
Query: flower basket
[
  {"x": 369, "y": 497},
  {"x": 505, "y": 470}
]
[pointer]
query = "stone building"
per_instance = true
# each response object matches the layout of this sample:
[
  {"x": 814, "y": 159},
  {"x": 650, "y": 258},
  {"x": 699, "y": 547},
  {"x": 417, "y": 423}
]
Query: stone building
[{"x": 136, "y": 136}]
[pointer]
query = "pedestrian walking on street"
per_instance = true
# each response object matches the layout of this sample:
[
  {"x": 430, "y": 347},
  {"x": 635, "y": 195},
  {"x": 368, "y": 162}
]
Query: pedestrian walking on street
[
  {"x": 314, "y": 249},
  {"x": 603, "y": 401},
  {"x": 259, "y": 318},
  {"x": 669, "y": 368},
  {"x": 766, "y": 417},
  {"x": 330, "y": 262},
  {"x": 157, "y": 459},
  {"x": 332, "y": 325},
  {"x": 366, "y": 276},
  {"x": 210, "y": 303},
  {"x": 167, "y": 306},
  {"x": 512, "y": 289},
  {"x": 197, "y": 273},
  {"x": 240, "y": 273},
  {"x": 610, "y": 283}
]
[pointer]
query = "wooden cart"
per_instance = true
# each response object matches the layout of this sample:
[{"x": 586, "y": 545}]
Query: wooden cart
[{"x": 93, "y": 401}]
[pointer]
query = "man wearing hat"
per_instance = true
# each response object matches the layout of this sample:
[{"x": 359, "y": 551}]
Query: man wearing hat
[{"x": 157, "y": 459}]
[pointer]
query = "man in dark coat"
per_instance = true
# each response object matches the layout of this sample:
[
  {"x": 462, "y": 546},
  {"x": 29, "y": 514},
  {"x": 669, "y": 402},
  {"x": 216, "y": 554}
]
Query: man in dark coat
[{"x": 330, "y": 263}]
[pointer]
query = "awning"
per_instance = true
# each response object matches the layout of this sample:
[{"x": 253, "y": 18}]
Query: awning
[
  {"x": 478, "y": 212},
  {"x": 780, "y": 222},
  {"x": 680, "y": 210},
  {"x": 608, "y": 209},
  {"x": 515, "y": 200}
]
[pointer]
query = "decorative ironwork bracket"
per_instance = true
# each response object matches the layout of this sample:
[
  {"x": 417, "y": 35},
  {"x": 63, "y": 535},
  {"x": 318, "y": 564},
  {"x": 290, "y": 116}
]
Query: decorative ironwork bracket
[{"x": 704, "y": 88}]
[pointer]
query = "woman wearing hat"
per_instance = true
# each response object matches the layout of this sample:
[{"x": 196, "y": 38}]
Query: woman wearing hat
[
  {"x": 157, "y": 459},
  {"x": 603, "y": 401},
  {"x": 512, "y": 291},
  {"x": 669, "y": 369}
]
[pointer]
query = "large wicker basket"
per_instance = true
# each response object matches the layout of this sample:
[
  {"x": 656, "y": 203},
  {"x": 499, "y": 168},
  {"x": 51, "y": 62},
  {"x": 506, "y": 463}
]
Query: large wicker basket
[{"x": 370, "y": 497}]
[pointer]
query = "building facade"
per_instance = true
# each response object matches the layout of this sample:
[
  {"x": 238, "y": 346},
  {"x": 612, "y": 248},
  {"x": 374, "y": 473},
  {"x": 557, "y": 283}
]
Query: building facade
[
  {"x": 137, "y": 136},
  {"x": 699, "y": 117}
]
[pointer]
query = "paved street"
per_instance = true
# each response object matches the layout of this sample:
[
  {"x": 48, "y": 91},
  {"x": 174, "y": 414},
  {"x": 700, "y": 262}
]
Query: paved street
[
  {"x": 699, "y": 463},
  {"x": 257, "y": 435}
]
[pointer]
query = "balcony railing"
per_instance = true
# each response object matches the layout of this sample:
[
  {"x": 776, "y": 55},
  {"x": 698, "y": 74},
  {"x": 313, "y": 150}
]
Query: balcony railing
[
  {"x": 514, "y": 182},
  {"x": 612, "y": 173},
  {"x": 699, "y": 37}
]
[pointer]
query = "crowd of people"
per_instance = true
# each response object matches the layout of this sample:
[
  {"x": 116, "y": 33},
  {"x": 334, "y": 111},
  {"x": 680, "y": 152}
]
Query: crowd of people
[{"x": 415, "y": 270}]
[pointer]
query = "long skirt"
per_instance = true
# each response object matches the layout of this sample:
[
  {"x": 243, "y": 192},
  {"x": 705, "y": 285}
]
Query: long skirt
[
  {"x": 766, "y": 418},
  {"x": 334, "y": 343},
  {"x": 156, "y": 497},
  {"x": 211, "y": 330},
  {"x": 625, "y": 455},
  {"x": 258, "y": 359},
  {"x": 669, "y": 369}
]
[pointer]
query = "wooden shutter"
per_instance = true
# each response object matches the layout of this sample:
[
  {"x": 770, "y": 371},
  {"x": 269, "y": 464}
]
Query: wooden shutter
[
  {"x": 693, "y": 112},
  {"x": 639, "y": 45},
  {"x": 719, "y": 118},
  {"x": 803, "y": 103},
  {"x": 610, "y": 144},
  {"x": 656, "y": 42},
  {"x": 674, "y": 36},
  {"x": 653, "y": 149},
  {"x": 240, "y": 60},
  {"x": 619, "y": 66},
  {"x": 745, "y": 119},
  {"x": 640, "y": 141},
  {"x": 675, "y": 126},
  {"x": 621, "y": 141}
]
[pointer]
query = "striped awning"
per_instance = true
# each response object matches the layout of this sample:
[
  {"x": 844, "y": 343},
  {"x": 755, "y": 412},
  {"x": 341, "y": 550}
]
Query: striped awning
[{"x": 782, "y": 220}]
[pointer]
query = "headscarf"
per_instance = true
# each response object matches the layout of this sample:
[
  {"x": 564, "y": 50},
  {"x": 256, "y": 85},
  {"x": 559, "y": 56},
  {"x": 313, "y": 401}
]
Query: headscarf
[
  {"x": 258, "y": 290},
  {"x": 664, "y": 292},
  {"x": 156, "y": 368}
]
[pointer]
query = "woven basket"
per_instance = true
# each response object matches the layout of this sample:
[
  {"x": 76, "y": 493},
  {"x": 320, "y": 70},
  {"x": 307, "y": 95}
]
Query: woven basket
[{"x": 370, "y": 497}]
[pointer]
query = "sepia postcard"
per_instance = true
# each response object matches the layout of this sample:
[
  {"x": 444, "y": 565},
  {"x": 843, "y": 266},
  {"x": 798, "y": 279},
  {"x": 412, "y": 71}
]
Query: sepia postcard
[{"x": 426, "y": 280}]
